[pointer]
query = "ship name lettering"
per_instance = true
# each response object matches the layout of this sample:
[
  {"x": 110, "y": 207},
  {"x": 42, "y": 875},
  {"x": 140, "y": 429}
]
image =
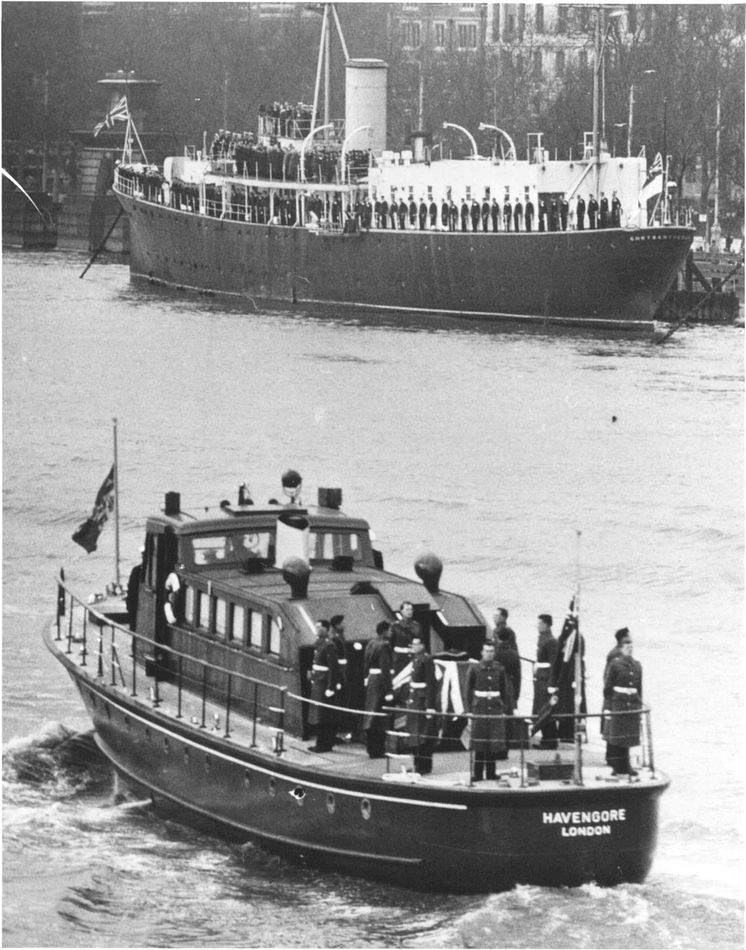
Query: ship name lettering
[
  {"x": 583, "y": 817},
  {"x": 587, "y": 831}
]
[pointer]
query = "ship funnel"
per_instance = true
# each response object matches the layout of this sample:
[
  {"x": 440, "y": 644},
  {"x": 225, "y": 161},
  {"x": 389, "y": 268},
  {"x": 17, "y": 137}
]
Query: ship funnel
[
  {"x": 173, "y": 503},
  {"x": 292, "y": 537},
  {"x": 365, "y": 101},
  {"x": 428, "y": 568},
  {"x": 296, "y": 573}
]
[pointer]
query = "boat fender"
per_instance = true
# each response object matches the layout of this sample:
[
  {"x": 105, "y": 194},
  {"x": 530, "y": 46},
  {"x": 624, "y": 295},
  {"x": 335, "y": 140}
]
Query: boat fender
[
  {"x": 428, "y": 568},
  {"x": 172, "y": 588}
]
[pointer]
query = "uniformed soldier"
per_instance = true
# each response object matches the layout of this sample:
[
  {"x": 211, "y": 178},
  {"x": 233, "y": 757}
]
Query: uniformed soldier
[
  {"x": 324, "y": 676},
  {"x": 507, "y": 213},
  {"x": 616, "y": 211},
  {"x": 393, "y": 212},
  {"x": 475, "y": 214},
  {"x": 403, "y": 631},
  {"x": 542, "y": 215},
  {"x": 546, "y": 650},
  {"x": 412, "y": 213},
  {"x": 422, "y": 214},
  {"x": 486, "y": 686},
  {"x": 433, "y": 212},
  {"x": 384, "y": 213},
  {"x": 453, "y": 215},
  {"x": 421, "y": 719},
  {"x": 485, "y": 214},
  {"x": 622, "y": 695},
  {"x": 377, "y": 673},
  {"x": 464, "y": 215},
  {"x": 495, "y": 214},
  {"x": 445, "y": 215},
  {"x": 564, "y": 210},
  {"x": 343, "y": 683}
]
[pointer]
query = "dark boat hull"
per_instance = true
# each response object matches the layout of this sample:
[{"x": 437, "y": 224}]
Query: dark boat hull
[
  {"x": 598, "y": 278},
  {"x": 425, "y": 836}
]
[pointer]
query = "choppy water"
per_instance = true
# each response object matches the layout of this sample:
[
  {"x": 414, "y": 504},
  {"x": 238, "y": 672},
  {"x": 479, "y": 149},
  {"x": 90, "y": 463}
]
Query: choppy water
[{"x": 490, "y": 448}]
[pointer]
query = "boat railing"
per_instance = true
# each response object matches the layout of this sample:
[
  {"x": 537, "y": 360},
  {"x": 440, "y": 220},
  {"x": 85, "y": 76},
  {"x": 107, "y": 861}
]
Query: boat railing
[
  {"x": 205, "y": 691},
  {"x": 185, "y": 685}
]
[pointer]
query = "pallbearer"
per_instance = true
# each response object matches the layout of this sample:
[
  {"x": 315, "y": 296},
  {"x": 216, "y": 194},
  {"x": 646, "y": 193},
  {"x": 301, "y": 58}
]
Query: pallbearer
[
  {"x": 343, "y": 682},
  {"x": 377, "y": 670},
  {"x": 323, "y": 676},
  {"x": 421, "y": 720},
  {"x": 486, "y": 687},
  {"x": 546, "y": 651}
]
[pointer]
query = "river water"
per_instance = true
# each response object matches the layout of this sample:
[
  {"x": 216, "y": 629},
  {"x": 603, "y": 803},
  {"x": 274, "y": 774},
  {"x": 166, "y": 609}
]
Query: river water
[{"x": 491, "y": 448}]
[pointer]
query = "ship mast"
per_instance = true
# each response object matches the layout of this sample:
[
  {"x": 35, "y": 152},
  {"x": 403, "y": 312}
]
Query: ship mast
[{"x": 324, "y": 64}]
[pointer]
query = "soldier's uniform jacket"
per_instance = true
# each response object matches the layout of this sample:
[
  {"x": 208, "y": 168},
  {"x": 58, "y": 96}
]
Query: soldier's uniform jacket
[
  {"x": 508, "y": 657},
  {"x": 546, "y": 651},
  {"x": 340, "y": 645},
  {"x": 377, "y": 672},
  {"x": 324, "y": 677},
  {"x": 422, "y": 689},
  {"x": 402, "y": 633},
  {"x": 486, "y": 688},
  {"x": 623, "y": 694}
]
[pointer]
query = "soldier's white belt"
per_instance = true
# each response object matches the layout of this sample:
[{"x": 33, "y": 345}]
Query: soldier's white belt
[
  {"x": 629, "y": 690},
  {"x": 373, "y": 670},
  {"x": 342, "y": 662},
  {"x": 402, "y": 650},
  {"x": 486, "y": 693},
  {"x": 319, "y": 669},
  {"x": 417, "y": 685},
  {"x": 542, "y": 666}
]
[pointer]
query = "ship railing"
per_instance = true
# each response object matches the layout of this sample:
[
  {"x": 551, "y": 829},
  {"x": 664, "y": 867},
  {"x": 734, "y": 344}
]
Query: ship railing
[{"x": 177, "y": 682}]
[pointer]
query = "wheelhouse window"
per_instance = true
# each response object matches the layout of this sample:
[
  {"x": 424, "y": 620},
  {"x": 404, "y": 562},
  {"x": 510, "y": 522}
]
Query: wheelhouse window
[
  {"x": 237, "y": 626},
  {"x": 188, "y": 604},
  {"x": 274, "y": 636},
  {"x": 256, "y": 630},
  {"x": 325, "y": 545},
  {"x": 229, "y": 548},
  {"x": 220, "y": 607},
  {"x": 202, "y": 620}
]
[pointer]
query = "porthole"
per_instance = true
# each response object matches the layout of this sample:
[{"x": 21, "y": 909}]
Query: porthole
[
  {"x": 298, "y": 794},
  {"x": 272, "y": 788},
  {"x": 331, "y": 803},
  {"x": 365, "y": 809}
]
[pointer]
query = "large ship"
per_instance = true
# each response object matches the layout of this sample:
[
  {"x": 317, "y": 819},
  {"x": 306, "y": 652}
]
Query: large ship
[
  {"x": 206, "y": 684},
  {"x": 297, "y": 214}
]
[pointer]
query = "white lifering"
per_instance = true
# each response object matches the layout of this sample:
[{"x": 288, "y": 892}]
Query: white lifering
[{"x": 172, "y": 588}]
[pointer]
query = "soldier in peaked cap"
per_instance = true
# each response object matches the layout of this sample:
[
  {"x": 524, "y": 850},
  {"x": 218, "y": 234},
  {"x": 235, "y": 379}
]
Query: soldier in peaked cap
[
  {"x": 324, "y": 675},
  {"x": 378, "y": 691},
  {"x": 546, "y": 651}
]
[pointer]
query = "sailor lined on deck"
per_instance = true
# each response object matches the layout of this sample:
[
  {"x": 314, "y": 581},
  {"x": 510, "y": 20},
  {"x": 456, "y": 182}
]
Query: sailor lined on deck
[
  {"x": 377, "y": 663},
  {"x": 324, "y": 676},
  {"x": 486, "y": 687}
]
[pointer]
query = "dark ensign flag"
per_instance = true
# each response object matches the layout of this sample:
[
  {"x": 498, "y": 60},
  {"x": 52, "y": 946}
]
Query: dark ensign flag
[{"x": 87, "y": 534}]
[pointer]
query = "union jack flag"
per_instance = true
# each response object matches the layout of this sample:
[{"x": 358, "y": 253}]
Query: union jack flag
[
  {"x": 119, "y": 113},
  {"x": 87, "y": 534}
]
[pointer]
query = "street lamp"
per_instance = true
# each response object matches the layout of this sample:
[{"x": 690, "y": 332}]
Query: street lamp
[
  {"x": 512, "y": 154},
  {"x": 452, "y": 125}
]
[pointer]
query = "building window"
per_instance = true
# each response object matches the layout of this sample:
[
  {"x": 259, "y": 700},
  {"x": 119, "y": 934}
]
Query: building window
[
  {"x": 559, "y": 62},
  {"x": 539, "y": 18},
  {"x": 439, "y": 34},
  {"x": 536, "y": 64},
  {"x": 467, "y": 36},
  {"x": 585, "y": 18},
  {"x": 583, "y": 60},
  {"x": 411, "y": 34},
  {"x": 561, "y": 18},
  {"x": 509, "y": 25}
]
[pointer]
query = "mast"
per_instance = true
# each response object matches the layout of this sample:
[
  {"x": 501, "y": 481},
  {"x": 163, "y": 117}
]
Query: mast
[
  {"x": 596, "y": 56},
  {"x": 116, "y": 505},
  {"x": 578, "y": 673}
]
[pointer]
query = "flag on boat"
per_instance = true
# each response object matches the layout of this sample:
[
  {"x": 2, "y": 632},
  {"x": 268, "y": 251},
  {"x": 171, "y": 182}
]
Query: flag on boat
[
  {"x": 120, "y": 113},
  {"x": 654, "y": 183},
  {"x": 87, "y": 534}
]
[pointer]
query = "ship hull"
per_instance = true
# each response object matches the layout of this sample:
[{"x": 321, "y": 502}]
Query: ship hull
[
  {"x": 424, "y": 836},
  {"x": 615, "y": 277}
]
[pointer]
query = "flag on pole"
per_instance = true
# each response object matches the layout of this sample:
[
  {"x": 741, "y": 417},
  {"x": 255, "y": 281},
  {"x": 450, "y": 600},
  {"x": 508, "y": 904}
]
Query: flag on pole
[
  {"x": 654, "y": 183},
  {"x": 119, "y": 113},
  {"x": 87, "y": 534}
]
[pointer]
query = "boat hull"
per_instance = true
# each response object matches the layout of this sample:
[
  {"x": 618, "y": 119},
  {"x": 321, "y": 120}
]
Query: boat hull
[
  {"x": 421, "y": 835},
  {"x": 599, "y": 278}
]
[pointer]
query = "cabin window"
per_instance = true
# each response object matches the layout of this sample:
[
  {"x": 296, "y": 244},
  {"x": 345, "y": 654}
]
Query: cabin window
[
  {"x": 256, "y": 630},
  {"x": 229, "y": 548},
  {"x": 220, "y": 608},
  {"x": 274, "y": 636},
  {"x": 188, "y": 604},
  {"x": 324, "y": 545},
  {"x": 237, "y": 628},
  {"x": 202, "y": 620}
]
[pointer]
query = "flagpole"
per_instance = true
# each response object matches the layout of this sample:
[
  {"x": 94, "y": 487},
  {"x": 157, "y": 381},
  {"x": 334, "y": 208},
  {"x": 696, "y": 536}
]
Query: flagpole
[
  {"x": 116, "y": 504},
  {"x": 578, "y": 669}
]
